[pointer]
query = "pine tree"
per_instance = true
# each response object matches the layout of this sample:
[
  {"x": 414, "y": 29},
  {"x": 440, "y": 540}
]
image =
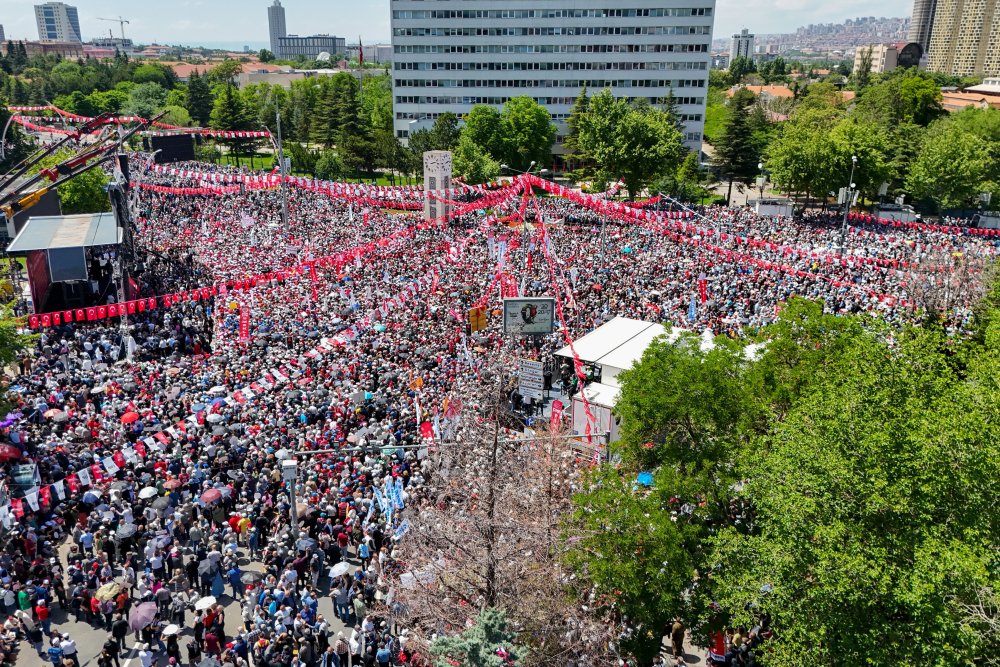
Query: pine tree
[
  {"x": 571, "y": 142},
  {"x": 198, "y": 99},
  {"x": 324, "y": 124},
  {"x": 735, "y": 154},
  {"x": 488, "y": 643}
]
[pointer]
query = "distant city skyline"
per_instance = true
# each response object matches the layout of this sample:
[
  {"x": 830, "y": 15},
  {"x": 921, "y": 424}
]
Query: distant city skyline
[{"x": 198, "y": 22}]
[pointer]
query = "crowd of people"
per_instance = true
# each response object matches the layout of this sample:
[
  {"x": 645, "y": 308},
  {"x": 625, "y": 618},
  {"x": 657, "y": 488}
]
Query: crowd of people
[{"x": 161, "y": 445}]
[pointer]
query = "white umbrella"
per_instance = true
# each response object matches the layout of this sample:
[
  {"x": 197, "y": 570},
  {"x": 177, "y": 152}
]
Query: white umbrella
[
  {"x": 340, "y": 568},
  {"x": 217, "y": 389},
  {"x": 204, "y": 603},
  {"x": 148, "y": 492},
  {"x": 172, "y": 629},
  {"x": 214, "y": 418}
]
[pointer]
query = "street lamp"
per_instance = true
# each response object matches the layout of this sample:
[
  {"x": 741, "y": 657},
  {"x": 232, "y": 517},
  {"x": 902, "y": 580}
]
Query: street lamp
[
  {"x": 847, "y": 204},
  {"x": 530, "y": 170},
  {"x": 761, "y": 182}
]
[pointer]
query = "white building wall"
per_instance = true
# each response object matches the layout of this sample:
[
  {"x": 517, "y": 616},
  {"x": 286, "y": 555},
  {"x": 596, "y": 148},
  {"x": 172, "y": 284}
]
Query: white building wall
[{"x": 449, "y": 55}]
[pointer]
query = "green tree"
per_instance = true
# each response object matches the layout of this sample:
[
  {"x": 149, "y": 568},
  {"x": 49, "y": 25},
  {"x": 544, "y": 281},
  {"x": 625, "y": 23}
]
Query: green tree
[
  {"x": 76, "y": 102},
  {"x": 635, "y": 145},
  {"x": 735, "y": 153},
  {"x": 225, "y": 72},
  {"x": 571, "y": 142},
  {"x": 325, "y": 122},
  {"x": 445, "y": 132},
  {"x": 145, "y": 100},
  {"x": 265, "y": 56},
  {"x": 154, "y": 73},
  {"x": 484, "y": 126},
  {"x": 477, "y": 646},
  {"x": 739, "y": 67},
  {"x": 198, "y": 99},
  {"x": 863, "y": 74},
  {"x": 903, "y": 97},
  {"x": 473, "y": 163},
  {"x": 328, "y": 166},
  {"x": 230, "y": 113},
  {"x": 85, "y": 193},
  {"x": 951, "y": 168},
  {"x": 529, "y": 132},
  {"x": 799, "y": 159},
  {"x": 853, "y": 137},
  {"x": 874, "y": 510},
  {"x": 176, "y": 116}
]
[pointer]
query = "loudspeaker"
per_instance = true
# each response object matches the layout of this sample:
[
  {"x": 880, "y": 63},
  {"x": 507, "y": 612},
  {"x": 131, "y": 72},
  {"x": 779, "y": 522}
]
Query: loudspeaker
[{"x": 123, "y": 167}]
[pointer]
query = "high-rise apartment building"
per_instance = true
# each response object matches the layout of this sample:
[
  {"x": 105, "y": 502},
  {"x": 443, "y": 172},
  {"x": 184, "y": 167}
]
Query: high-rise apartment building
[
  {"x": 741, "y": 45},
  {"x": 276, "y": 25},
  {"x": 881, "y": 58},
  {"x": 58, "y": 22},
  {"x": 3, "y": 37},
  {"x": 965, "y": 38},
  {"x": 450, "y": 55},
  {"x": 921, "y": 23}
]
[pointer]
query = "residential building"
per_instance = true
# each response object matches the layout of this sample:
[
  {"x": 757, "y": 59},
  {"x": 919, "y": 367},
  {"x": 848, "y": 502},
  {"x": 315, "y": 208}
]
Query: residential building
[
  {"x": 3, "y": 38},
  {"x": 276, "y": 24},
  {"x": 451, "y": 55},
  {"x": 720, "y": 61},
  {"x": 293, "y": 46},
  {"x": 58, "y": 22},
  {"x": 61, "y": 49},
  {"x": 921, "y": 23},
  {"x": 741, "y": 45},
  {"x": 965, "y": 38},
  {"x": 882, "y": 58},
  {"x": 954, "y": 101}
]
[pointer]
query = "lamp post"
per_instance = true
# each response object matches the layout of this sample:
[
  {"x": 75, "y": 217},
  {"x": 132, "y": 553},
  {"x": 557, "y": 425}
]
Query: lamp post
[
  {"x": 761, "y": 182},
  {"x": 847, "y": 204}
]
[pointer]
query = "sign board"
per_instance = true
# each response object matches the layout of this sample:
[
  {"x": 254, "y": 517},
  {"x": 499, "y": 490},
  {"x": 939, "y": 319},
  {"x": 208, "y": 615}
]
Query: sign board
[
  {"x": 531, "y": 379},
  {"x": 533, "y": 315},
  {"x": 477, "y": 319}
]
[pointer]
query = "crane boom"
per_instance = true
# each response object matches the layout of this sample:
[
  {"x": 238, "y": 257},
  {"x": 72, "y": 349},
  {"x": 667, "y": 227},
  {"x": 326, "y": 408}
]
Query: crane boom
[{"x": 120, "y": 21}]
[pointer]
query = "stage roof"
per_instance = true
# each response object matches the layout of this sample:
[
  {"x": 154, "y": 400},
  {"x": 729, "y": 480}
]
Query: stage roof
[
  {"x": 622, "y": 339},
  {"x": 67, "y": 231}
]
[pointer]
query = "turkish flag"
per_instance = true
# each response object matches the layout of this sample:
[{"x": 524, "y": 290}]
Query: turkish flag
[
  {"x": 67, "y": 316},
  {"x": 91, "y": 314},
  {"x": 56, "y": 319},
  {"x": 33, "y": 321},
  {"x": 102, "y": 312},
  {"x": 151, "y": 304},
  {"x": 46, "y": 320},
  {"x": 130, "y": 307},
  {"x": 113, "y": 310}
]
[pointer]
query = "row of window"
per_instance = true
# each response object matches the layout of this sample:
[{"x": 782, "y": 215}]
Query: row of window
[
  {"x": 549, "y": 83},
  {"x": 549, "y": 13},
  {"x": 503, "y": 99},
  {"x": 534, "y": 31},
  {"x": 412, "y": 115},
  {"x": 537, "y": 66},
  {"x": 551, "y": 48}
]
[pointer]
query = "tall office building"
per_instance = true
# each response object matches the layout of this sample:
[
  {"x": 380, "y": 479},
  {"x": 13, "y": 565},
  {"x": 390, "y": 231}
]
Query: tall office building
[
  {"x": 921, "y": 23},
  {"x": 451, "y": 55},
  {"x": 965, "y": 38},
  {"x": 58, "y": 22},
  {"x": 276, "y": 26},
  {"x": 3, "y": 38},
  {"x": 741, "y": 45}
]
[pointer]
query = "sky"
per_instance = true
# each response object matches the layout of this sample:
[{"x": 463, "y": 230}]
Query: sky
[{"x": 234, "y": 22}]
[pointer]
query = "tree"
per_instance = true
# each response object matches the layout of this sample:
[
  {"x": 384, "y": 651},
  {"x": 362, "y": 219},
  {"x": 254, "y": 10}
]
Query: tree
[
  {"x": 230, "y": 113},
  {"x": 225, "y": 72},
  {"x": 571, "y": 142},
  {"x": 905, "y": 96},
  {"x": 176, "y": 116},
  {"x": 735, "y": 153},
  {"x": 529, "y": 132},
  {"x": 155, "y": 73},
  {"x": 869, "y": 143},
  {"x": 863, "y": 74},
  {"x": 108, "y": 101},
  {"x": 739, "y": 67},
  {"x": 473, "y": 163},
  {"x": 635, "y": 145},
  {"x": 145, "y": 100},
  {"x": 862, "y": 547},
  {"x": 799, "y": 158},
  {"x": 951, "y": 167},
  {"x": 328, "y": 167},
  {"x": 484, "y": 127},
  {"x": 445, "y": 132},
  {"x": 488, "y": 643},
  {"x": 265, "y": 56},
  {"x": 325, "y": 122},
  {"x": 85, "y": 193},
  {"x": 198, "y": 99}
]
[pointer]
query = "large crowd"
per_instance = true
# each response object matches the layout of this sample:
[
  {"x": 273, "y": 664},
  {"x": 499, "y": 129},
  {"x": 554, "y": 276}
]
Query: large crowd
[{"x": 161, "y": 442}]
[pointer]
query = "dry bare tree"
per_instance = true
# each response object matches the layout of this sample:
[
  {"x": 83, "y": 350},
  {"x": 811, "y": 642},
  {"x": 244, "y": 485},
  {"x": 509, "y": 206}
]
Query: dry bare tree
[{"x": 487, "y": 534}]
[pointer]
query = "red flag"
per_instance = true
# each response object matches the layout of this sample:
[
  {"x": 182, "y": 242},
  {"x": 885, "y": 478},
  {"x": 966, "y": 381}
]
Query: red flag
[
  {"x": 102, "y": 312},
  {"x": 97, "y": 472},
  {"x": 140, "y": 449},
  {"x": 361, "y": 53},
  {"x": 72, "y": 483},
  {"x": 131, "y": 307},
  {"x": 119, "y": 459},
  {"x": 33, "y": 321},
  {"x": 68, "y": 316},
  {"x": 427, "y": 430},
  {"x": 81, "y": 315},
  {"x": 45, "y": 494},
  {"x": 18, "y": 508},
  {"x": 557, "y": 409}
]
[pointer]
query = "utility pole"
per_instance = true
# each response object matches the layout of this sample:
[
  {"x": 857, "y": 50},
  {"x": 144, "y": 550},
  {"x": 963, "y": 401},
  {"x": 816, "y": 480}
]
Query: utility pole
[
  {"x": 847, "y": 205},
  {"x": 284, "y": 185}
]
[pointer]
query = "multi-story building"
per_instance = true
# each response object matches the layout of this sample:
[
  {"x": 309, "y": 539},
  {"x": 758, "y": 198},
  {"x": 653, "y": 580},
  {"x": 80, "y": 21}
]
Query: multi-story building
[
  {"x": 276, "y": 25},
  {"x": 921, "y": 23},
  {"x": 883, "y": 58},
  {"x": 3, "y": 38},
  {"x": 741, "y": 45},
  {"x": 965, "y": 38},
  {"x": 293, "y": 46},
  {"x": 58, "y": 22},
  {"x": 451, "y": 55}
]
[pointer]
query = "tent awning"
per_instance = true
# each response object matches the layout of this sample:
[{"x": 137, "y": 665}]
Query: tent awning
[{"x": 67, "y": 231}]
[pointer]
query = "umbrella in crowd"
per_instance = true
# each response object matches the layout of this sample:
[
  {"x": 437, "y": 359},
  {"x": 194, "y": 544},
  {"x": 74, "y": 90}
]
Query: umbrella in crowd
[
  {"x": 204, "y": 603},
  {"x": 9, "y": 453},
  {"x": 211, "y": 496},
  {"x": 142, "y": 615},
  {"x": 108, "y": 591},
  {"x": 148, "y": 492}
]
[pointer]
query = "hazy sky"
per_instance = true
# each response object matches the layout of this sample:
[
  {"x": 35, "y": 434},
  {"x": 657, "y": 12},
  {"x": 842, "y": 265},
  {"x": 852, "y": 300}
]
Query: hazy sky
[{"x": 214, "y": 21}]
